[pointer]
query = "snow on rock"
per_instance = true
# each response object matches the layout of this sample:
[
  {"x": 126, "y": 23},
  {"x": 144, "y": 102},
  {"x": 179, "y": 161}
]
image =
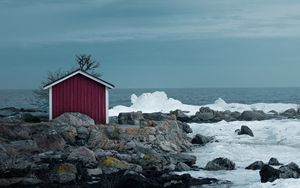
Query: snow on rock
[{"x": 159, "y": 102}]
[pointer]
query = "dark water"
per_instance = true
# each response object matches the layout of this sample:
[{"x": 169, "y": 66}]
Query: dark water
[{"x": 200, "y": 96}]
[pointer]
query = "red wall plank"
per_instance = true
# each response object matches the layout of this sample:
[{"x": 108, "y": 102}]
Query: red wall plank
[{"x": 79, "y": 94}]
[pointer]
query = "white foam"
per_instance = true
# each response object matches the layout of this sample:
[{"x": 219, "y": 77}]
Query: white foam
[
  {"x": 221, "y": 105},
  {"x": 272, "y": 138},
  {"x": 159, "y": 102},
  {"x": 153, "y": 102}
]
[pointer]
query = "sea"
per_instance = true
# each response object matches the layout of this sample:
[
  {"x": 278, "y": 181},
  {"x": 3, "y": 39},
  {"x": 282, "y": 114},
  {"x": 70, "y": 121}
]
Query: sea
[{"x": 190, "y": 96}]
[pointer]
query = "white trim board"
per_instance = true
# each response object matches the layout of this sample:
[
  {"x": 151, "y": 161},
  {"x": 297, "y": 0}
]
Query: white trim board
[
  {"x": 50, "y": 104},
  {"x": 75, "y": 73},
  {"x": 107, "y": 105}
]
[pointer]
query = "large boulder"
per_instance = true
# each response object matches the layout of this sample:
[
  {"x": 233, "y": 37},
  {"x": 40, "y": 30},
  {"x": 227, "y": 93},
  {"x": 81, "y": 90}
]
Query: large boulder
[
  {"x": 52, "y": 157},
  {"x": 252, "y": 116},
  {"x": 131, "y": 118},
  {"x": 290, "y": 113},
  {"x": 69, "y": 133},
  {"x": 274, "y": 162},
  {"x": 63, "y": 173},
  {"x": 112, "y": 165},
  {"x": 84, "y": 155},
  {"x": 256, "y": 165},
  {"x": 268, "y": 174},
  {"x": 158, "y": 116},
  {"x": 50, "y": 141},
  {"x": 170, "y": 137},
  {"x": 27, "y": 117},
  {"x": 21, "y": 147},
  {"x": 83, "y": 134},
  {"x": 220, "y": 164},
  {"x": 219, "y": 116},
  {"x": 181, "y": 116},
  {"x": 153, "y": 162},
  {"x": 14, "y": 132},
  {"x": 245, "y": 130},
  {"x": 201, "y": 140},
  {"x": 168, "y": 146},
  {"x": 75, "y": 119},
  {"x": 113, "y": 132},
  {"x": 289, "y": 171},
  {"x": 97, "y": 138},
  {"x": 181, "y": 167},
  {"x": 235, "y": 115},
  {"x": 185, "y": 127},
  {"x": 190, "y": 160},
  {"x": 205, "y": 114}
]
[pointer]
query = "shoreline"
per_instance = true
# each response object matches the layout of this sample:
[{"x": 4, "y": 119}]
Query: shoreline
[
  {"x": 74, "y": 151},
  {"x": 125, "y": 145}
]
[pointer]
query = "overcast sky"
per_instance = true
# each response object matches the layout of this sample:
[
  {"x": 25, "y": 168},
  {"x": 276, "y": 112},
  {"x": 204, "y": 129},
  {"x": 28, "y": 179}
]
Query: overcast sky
[{"x": 153, "y": 43}]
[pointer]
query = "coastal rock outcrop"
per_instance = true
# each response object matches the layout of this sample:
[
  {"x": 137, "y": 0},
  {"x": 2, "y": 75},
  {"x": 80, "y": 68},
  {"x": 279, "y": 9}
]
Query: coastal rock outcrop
[
  {"x": 29, "y": 118},
  {"x": 268, "y": 174},
  {"x": 49, "y": 141},
  {"x": 131, "y": 118},
  {"x": 185, "y": 127},
  {"x": 245, "y": 130},
  {"x": 220, "y": 164},
  {"x": 290, "y": 113},
  {"x": 83, "y": 155},
  {"x": 63, "y": 173},
  {"x": 201, "y": 140},
  {"x": 159, "y": 116},
  {"x": 74, "y": 119},
  {"x": 256, "y": 165},
  {"x": 181, "y": 116},
  {"x": 274, "y": 162},
  {"x": 205, "y": 114},
  {"x": 252, "y": 116},
  {"x": 72, "y": 150},
  {"x": 289, "y": 171}
]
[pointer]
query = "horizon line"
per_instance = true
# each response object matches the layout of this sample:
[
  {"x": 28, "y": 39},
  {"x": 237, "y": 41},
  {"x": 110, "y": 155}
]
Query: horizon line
[{"x": 256, "y": 87}]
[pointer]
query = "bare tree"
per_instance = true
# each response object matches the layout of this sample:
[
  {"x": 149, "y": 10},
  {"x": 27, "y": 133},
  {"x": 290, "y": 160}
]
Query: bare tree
[
  {"x": 87, "y": 64},
  {"x": 83, "y": 62},
  {"x": 41, "y": 96}
]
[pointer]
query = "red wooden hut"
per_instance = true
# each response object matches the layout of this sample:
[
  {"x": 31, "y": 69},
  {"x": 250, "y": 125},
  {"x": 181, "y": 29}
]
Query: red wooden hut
[{"x": 79, "y": 92}]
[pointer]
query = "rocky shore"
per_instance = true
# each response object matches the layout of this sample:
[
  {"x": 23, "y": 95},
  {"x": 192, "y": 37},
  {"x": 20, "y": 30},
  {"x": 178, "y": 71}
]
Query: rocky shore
[
  {"x": 207, "y": 115},
  {"x": 135, "y": 149},
  {"x": 73, "y": 151}
]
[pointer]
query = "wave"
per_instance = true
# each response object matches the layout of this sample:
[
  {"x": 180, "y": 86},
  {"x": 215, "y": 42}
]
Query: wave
[{"x": 159, "y": 102}]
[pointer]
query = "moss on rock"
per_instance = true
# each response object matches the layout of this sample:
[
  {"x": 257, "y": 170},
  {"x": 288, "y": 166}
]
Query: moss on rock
[
  {"x": 65, "y": 168},
  {"x": 132, "y": 131},
  {"x": 112, "y": 162}
]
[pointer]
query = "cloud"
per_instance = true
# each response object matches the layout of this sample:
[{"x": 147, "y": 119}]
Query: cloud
[{"x": 119, "y": 20}]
